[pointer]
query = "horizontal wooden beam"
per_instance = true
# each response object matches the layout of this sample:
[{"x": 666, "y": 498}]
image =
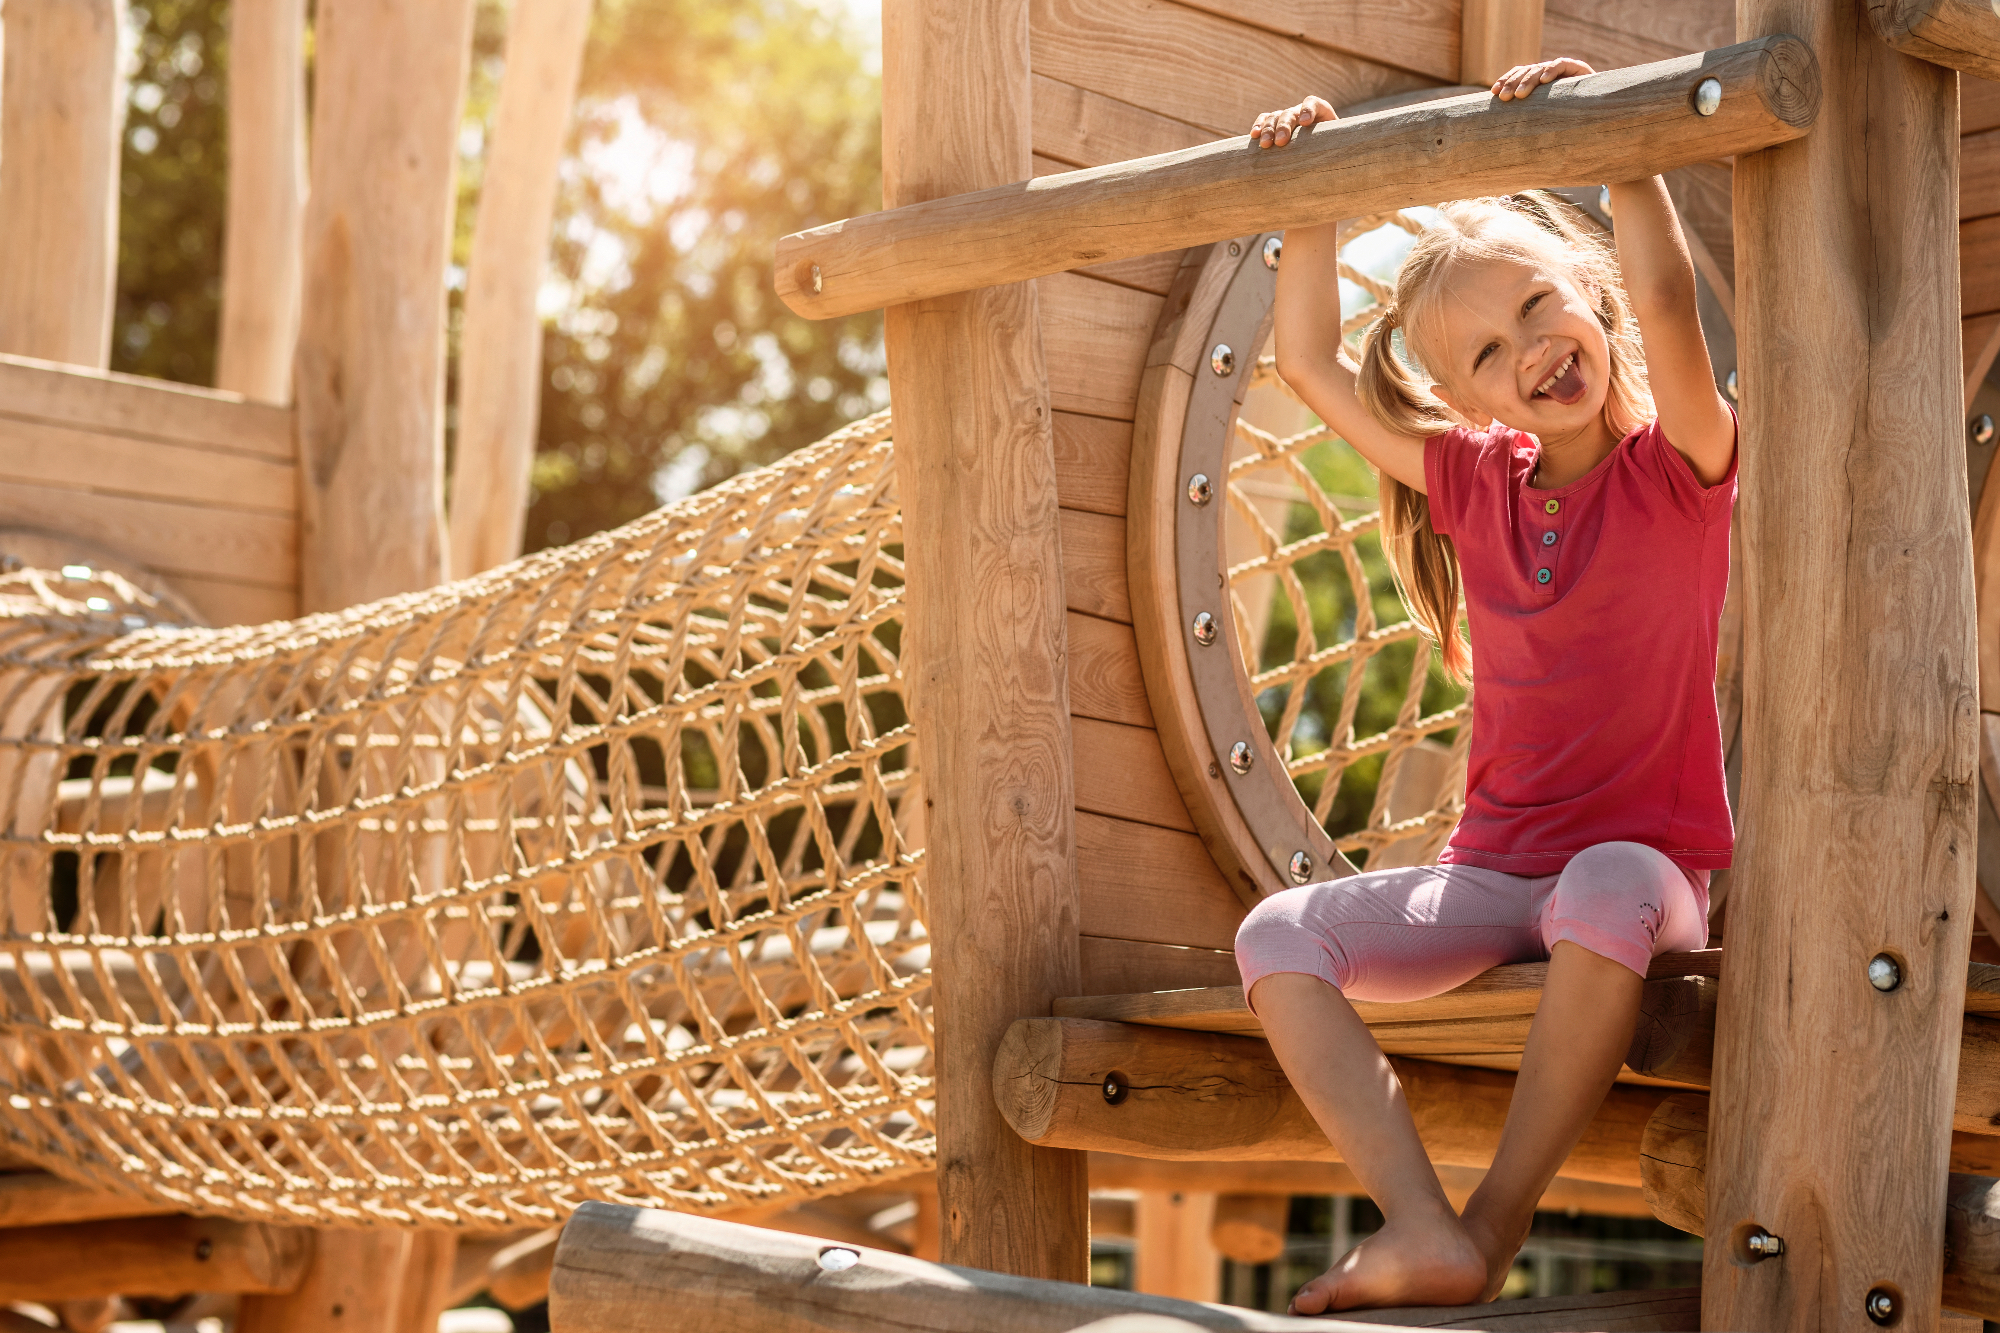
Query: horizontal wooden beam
[
  {"x": 1117, "y": 1171},
  {"x": 155, "y": 1256},
  {"x": 38, "y": 1198},
  {"x": 1673, "y": 1310},
  {"x": 1674, "y": 1167},
  {"x": 1613, "y": 126},
  {"x": 1959, "y": 34},
  {"x": 1195, "y": 1096}
]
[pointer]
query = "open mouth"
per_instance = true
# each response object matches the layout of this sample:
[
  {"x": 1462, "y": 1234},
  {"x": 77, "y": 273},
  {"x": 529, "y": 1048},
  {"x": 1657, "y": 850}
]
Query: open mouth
[{"x": 1564, "y": 384}]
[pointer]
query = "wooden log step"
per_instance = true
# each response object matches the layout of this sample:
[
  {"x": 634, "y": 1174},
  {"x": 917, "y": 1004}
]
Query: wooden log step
[
  {"x": 155, "y": 1256},
  {"x": 640, "y": 1270},
  {"x": 1576, "y": 132}
]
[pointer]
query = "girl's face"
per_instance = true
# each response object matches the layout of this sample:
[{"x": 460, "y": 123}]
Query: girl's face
[{"x": 1520, "y": 344}]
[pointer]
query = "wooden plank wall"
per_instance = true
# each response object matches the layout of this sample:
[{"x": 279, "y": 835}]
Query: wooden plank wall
[
  {"x": 1116, "y": 79},
  {"x": 197, "y": 486}
]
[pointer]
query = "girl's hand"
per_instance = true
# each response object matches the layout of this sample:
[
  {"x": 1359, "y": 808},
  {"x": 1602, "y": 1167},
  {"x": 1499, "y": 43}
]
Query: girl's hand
[
  {"x": 1524, "y": 79},
  {"x": 1275, "y": 129}
]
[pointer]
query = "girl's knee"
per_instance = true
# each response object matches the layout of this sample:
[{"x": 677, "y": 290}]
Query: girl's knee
[{"x": 1625, "y": 900}]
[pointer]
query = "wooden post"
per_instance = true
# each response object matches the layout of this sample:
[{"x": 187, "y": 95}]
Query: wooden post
[
  {"x": 1495, "y": 36},
  {"x": 989, "y": 686},
  {"x": 1173, "y": 1252},
  {"x": 267, "y": 196},
  {"x": 500, "y": 353},
  {"x": 1833, "y": 1098},
  {"x": 389, "y": 81},
  {"x": 62, "y": 108},
  {"x": 355, "y": 1285}
]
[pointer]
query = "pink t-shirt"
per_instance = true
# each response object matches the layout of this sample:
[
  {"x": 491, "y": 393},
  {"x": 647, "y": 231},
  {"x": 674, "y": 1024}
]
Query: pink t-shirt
[{"x": 1593, "y": 612}]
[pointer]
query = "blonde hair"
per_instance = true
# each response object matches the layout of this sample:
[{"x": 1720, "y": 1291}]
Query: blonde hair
[{"x": 1397, "y": 394}]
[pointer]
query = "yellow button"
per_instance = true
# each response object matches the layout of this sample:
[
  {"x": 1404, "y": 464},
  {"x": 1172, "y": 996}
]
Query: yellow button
[{"x": 1552, "y": 505}]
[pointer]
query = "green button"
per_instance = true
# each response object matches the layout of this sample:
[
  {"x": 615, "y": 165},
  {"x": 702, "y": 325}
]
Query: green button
[
  {"x": 1552, "y": 505},
  {"x": 1542, "y": 575}
]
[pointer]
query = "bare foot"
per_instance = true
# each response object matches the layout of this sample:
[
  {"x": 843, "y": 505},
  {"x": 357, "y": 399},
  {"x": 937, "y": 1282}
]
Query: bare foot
[
  {"x": 1498, "y": 1249},
  {"x": 1410, "y": 1261}
]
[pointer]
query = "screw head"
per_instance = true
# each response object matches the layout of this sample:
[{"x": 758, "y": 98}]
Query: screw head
[
  {"x": 1729, "y": 387},
  {"x": 1116, "y": 1089},
  {"x": 203, "y": 1248},
  {"x": 1980, "y": 428},
  {"x": 1301, "y": 867},
  {"x": 837, "y": 1259},
  {"x": 1200, "y": 489},
  {"x": 1882, "y": 1306},
  {"x": 815, "y": 279},
  {"x": 1707, "y": 96},
  {"x": 1883, "y": 972},
  {"x": 1222, "y": 360},
  {"x": 1204, "y": 628},
  {"x": 1764, "y": 1245},
  {"x": 1235, "y": 249},
  {"x": 1274, "y": 246},
  {"x": 1240, "y": 757}
]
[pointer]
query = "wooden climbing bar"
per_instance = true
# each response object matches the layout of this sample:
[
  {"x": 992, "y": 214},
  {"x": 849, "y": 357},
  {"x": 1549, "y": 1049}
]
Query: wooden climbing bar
[{"x": 1617, "y": 125}]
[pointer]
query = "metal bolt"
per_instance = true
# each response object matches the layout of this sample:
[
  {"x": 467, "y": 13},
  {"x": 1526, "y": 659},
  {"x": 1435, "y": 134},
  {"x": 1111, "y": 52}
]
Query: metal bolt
[
  {"x": 1222, "y": 360},
  {"x": 1115, "y": 1088},
  {"x": 835, "y": 1259},
  {"x": 1204, "y": 628},
  {"x": 1707, "y": 96},
  {"x": 1763, "y": 1244},
  {"x": 1235, "y": 249},
  {"x": 1981, "y": 429},
  {"x": 1200, "y": 489},
  {"x": 1883, "y": 973},
  {"x": 1240, "y": 757},
  {"x": 1881, "y": 1306},
  {"x": 203, "y": 1248},
  {"x": 1273, "y": 247},
  {"x": 1729, "y": 387},
  {"x": 1301, "y": 866},
  {"x": 816, "y": 279}
]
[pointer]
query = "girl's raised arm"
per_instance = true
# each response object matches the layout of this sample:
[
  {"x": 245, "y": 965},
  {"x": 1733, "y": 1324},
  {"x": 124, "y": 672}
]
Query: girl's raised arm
[
  {"x": 1307, "y": 324},
  {"x": 1659, "y": 278}
]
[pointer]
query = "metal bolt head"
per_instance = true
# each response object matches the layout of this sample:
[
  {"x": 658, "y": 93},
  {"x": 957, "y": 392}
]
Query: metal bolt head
[
  {"x": 1240, "y": 757},
  {"x": 815, "y": 279},
  {"x": 1204, "y": 628},
  {"x": 1883, "y": 972},
  {"x": 837, "y": 1259},
  {"x": 1729, "y": 387},
  {"x": 1764, "y": 1245},
  {"x": 1235, "y": 249},
  {"x": 1274, "y": 246},
  {"x": 1707, "y": 96},
  {"x": 1223, "y": 359},
  {"x": 1115, "y": 1088},
  {"x": 1200, "y": 489},
  {"x": 1882, "y": 1306},
  {"x": 1301, "y": 867},
  {"x": 203, "y": 1248},
  {"x": 1980, "y": 428}
]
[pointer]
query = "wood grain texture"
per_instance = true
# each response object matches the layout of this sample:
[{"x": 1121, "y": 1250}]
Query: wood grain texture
[
  {"x": 1085, "y": 129},
  {"x": 1115, "y": 966},
  {"x": 150, "y": 1256},
  {"x": 1207, "y": 1096},
  {"x": 1421, "y": 36},
  {"x": 1979, "y": 266},
  {"x": 1104, "y": 680},
  {"x": 500, "y": 358},
  {"x": 1607, "y": 34},
  {"x": 148, "y": 409},
  {"x": 1978, "y": 104},
  {"x": 1122, "y": 772},
  {"x": 61, "y": 109},
  {"x": 388, "y": 82},
  {"x": 1195, "y": 67},
  {"x": 170, "y": 537},
  {"x": 1575, "y": 131},
  {"x": 1979, "y": 341},
  {"x": 1495, "y": 36},
  {"x": 354, "y": 1281},
  {"x": 1857, "y": 586},
  {"x": 1173, "y": 1252},
  {"x": 1092, "y": 458},
  {"x": 1670, "y": 1311},
  {"x": 36, "y": 1198},
  {"x": 1093, "y": 564},
  {"x": 85, "y": 460},
  {"x": 1141, "y": 882},
  {"x": 267, "y": 198},
  {"x": 986, "y": 633},
  {"x": 1979, "y": 174},
  {"x": 1959, "y": 34},
  {"x": 1089, "y": 332}
]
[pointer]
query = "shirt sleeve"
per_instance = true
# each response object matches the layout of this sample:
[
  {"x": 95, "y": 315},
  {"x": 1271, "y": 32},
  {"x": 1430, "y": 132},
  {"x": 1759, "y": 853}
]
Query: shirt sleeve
[
  {"x": 1663, "y": 464},
  {"x": 1448, "y": 462}
]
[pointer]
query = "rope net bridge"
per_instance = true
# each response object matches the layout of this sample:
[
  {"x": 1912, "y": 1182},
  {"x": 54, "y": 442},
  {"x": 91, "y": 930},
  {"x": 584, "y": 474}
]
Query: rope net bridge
[{"x": 598, "y": 876}]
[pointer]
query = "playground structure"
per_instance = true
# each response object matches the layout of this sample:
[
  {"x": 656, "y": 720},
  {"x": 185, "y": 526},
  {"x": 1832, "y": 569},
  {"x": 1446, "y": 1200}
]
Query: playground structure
[{"x": 883, "y": 817}]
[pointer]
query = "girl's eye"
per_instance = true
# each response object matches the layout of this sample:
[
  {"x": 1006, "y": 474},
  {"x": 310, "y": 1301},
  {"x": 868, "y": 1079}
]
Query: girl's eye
[
  {"x": 1484, "y": 352},
  {"x": 1532, "y": 301}
]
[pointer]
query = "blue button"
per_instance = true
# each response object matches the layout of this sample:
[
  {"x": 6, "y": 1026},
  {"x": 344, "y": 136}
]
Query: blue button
[
  {"x": 1542, "y": 576},
  {"x": 1548, "y": 539}
]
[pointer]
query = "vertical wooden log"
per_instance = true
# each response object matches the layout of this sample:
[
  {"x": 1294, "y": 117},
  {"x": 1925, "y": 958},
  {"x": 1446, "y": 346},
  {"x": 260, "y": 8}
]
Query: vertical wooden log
[
  {"x": 1495, "y": 36},
  {"x": 1833, "y": 1098},
  {"x": 267, "y": 195},
  {"x": 1173, "y": 1250},
  {"x": 62, "y": 109},
  {"x": 989, "y": 687},
  {"x": 428, "y": 1260},
  {"x": 389, "y": 84},
  {"x": 355, "y": 1285},
  {"x": 500, "y": 353}
]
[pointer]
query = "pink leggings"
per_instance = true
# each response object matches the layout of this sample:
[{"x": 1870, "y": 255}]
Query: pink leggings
[{"x": 1417, "y": 931}]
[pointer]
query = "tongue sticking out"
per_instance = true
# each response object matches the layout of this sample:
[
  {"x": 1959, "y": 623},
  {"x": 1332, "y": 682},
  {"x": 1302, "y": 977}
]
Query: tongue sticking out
[{"x": 1569, "y": 388}]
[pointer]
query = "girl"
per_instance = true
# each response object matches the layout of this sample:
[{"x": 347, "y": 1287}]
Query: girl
[{"x": 1577, "y": 490}]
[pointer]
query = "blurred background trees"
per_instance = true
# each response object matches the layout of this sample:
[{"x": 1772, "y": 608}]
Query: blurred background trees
[{"x": 703, "y": 132}]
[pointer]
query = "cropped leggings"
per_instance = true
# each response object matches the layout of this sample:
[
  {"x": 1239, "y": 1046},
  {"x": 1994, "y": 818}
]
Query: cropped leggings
[{"x": 1418, "y": 931}]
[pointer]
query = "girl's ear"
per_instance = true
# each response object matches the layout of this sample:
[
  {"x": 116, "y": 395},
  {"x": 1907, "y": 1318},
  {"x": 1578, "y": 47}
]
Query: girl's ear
[{"x": 1472, "y": 416}]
